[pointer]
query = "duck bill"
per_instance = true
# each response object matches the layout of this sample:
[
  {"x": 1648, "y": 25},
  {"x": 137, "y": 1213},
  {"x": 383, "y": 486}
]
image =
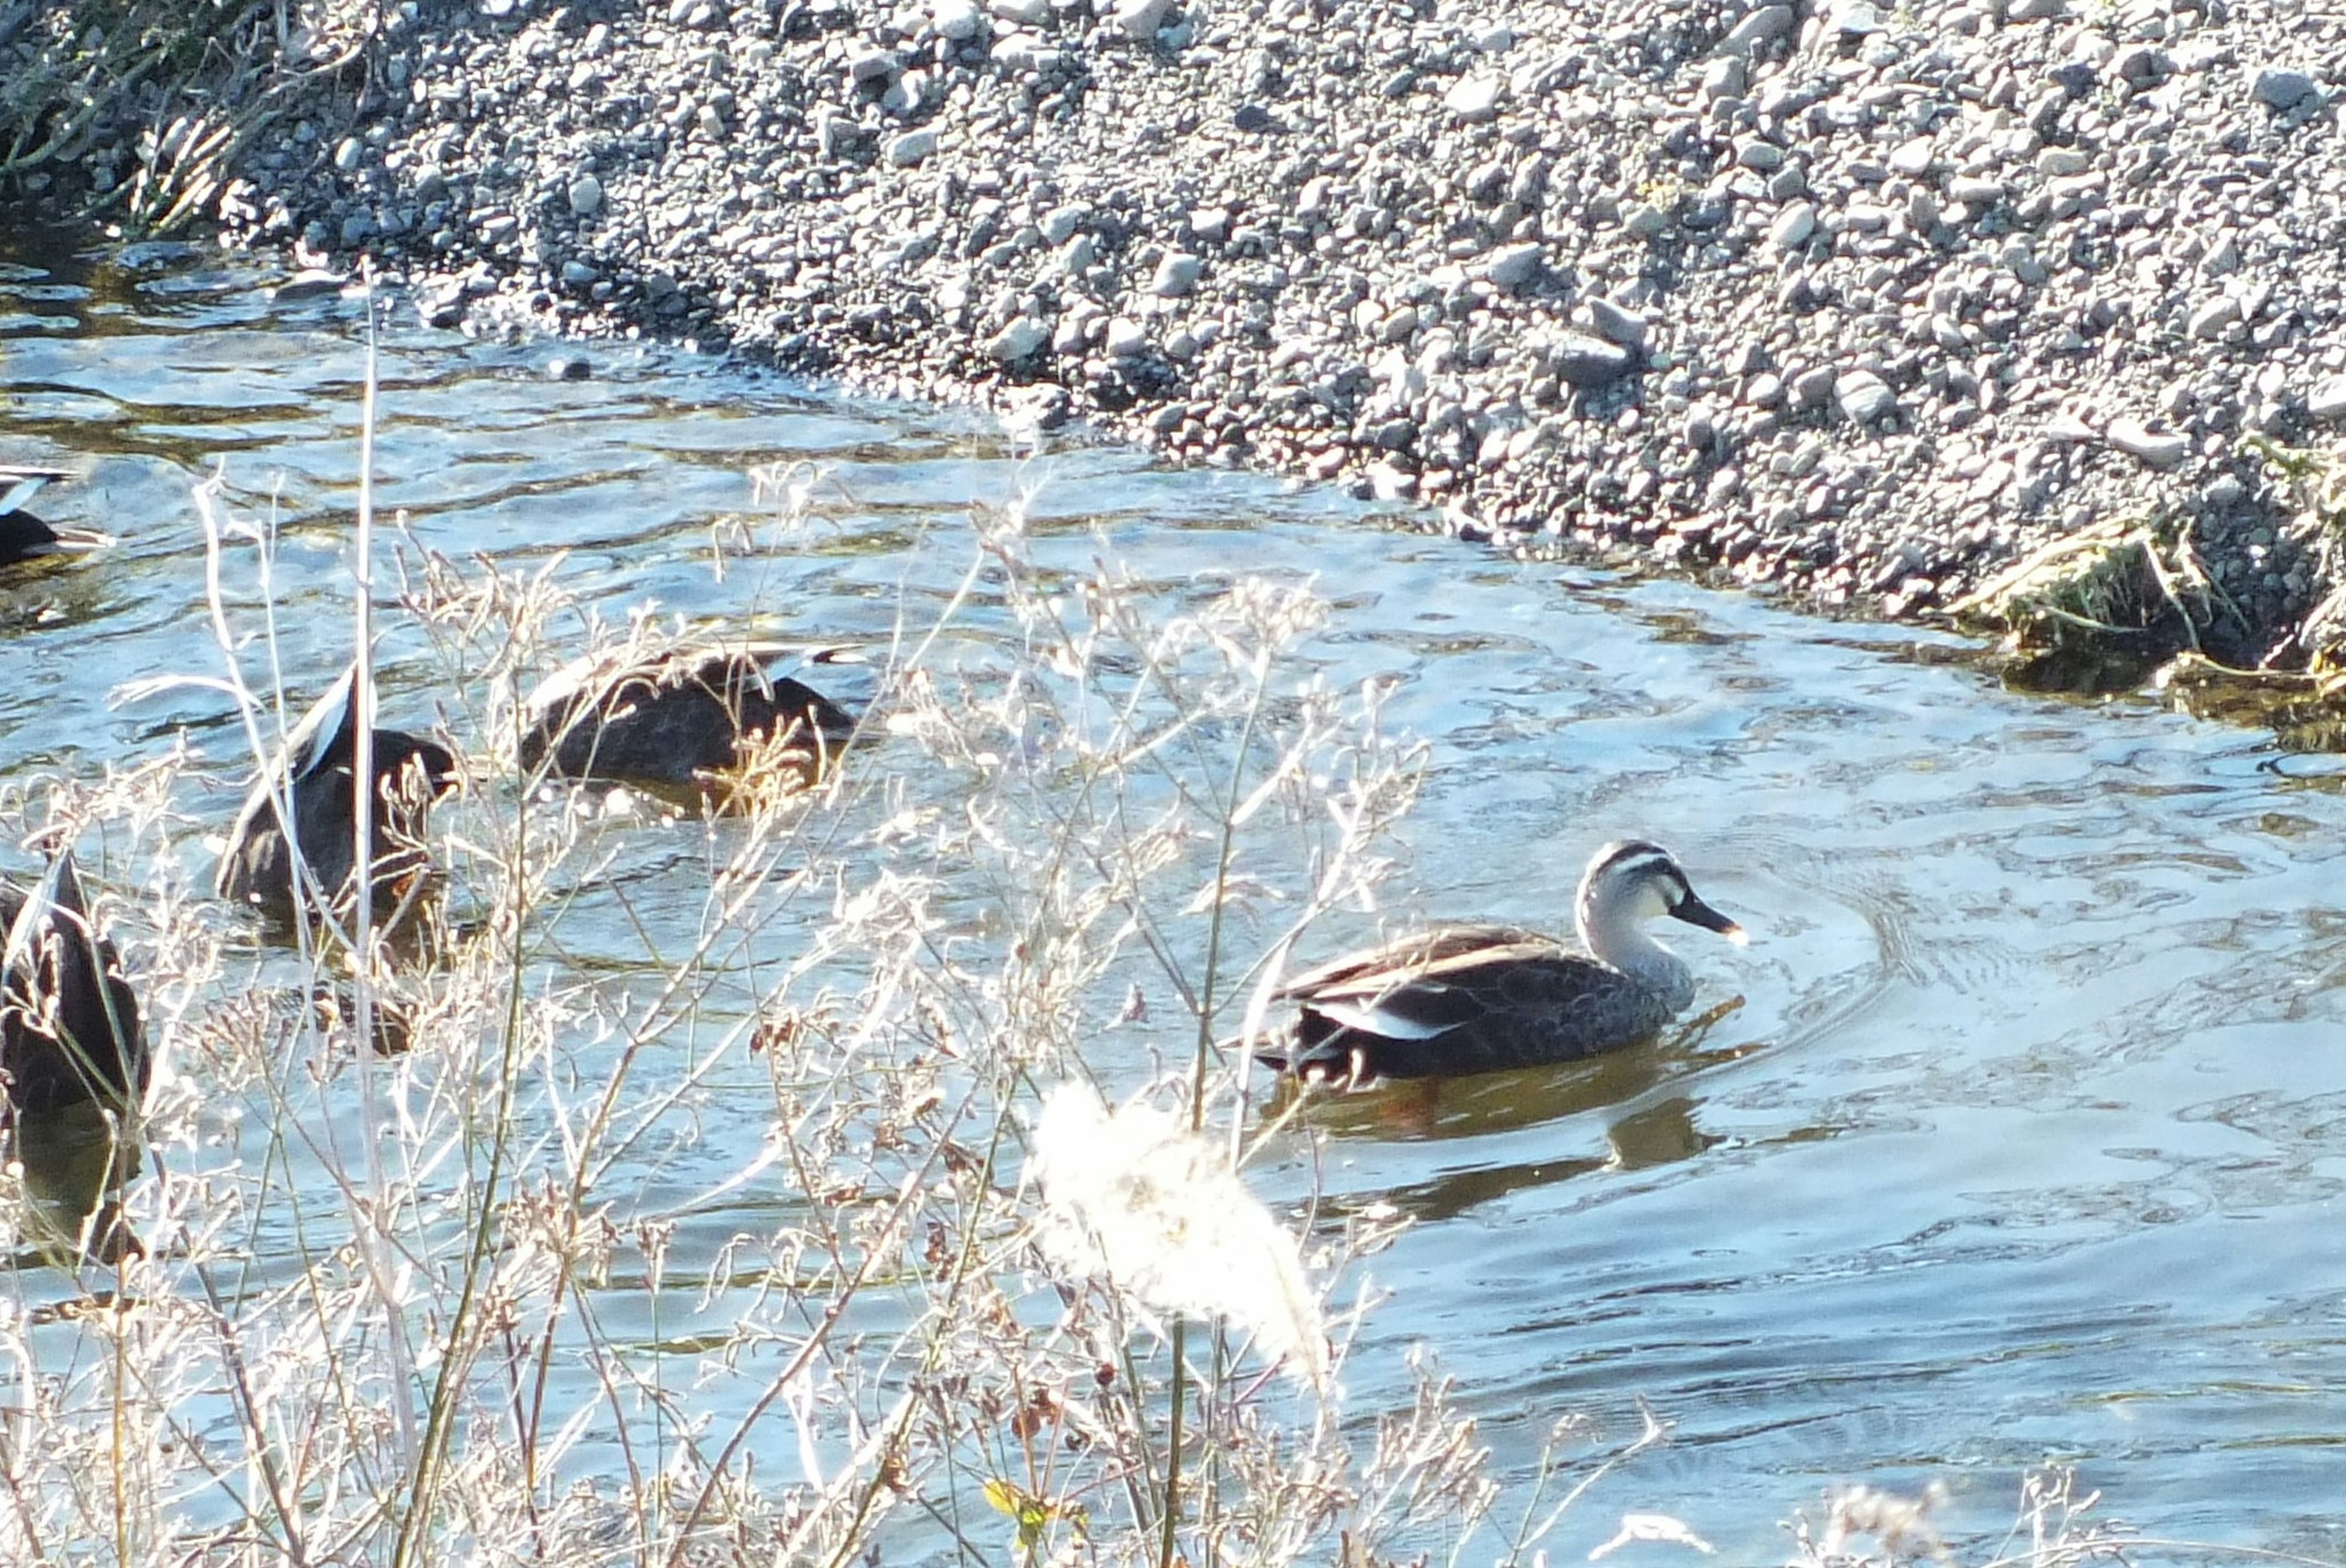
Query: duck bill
[{"x": 1694, "y": 912}]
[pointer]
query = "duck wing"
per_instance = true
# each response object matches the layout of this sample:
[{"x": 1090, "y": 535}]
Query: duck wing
[{"x": 1463, "y": 999}]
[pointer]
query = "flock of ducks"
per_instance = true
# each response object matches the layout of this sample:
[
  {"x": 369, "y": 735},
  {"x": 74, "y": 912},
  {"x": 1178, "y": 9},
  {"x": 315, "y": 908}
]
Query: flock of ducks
[{"x": 1445, "y": 1001}]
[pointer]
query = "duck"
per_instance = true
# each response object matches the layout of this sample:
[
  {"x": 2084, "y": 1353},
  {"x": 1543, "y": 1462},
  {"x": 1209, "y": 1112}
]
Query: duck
[
  {"x": 315, "y": 776},
  {"x": 683, "y": 718},
  {"x": 25, "y": 536},
  {"x": 1451, "y": 1001},
  {"x": 75, "y": 1065},
  {"x": 69, "y": 1028}
]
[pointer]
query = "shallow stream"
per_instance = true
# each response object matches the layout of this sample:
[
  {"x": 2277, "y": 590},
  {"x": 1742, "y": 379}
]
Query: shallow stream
[{"x": 2026, "y": 1142}]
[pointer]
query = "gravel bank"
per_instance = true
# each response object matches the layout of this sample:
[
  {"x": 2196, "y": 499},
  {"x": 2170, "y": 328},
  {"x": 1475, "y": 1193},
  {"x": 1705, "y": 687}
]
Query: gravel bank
[{"x": 1865, "y": 303}]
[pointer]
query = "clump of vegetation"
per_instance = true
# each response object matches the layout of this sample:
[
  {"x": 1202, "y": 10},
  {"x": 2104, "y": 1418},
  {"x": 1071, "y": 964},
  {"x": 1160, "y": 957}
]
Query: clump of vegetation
[
  {"x": 137, "y": 106},
  {"x": 2100, "y": 609},
  {"x": 2315, "y": 481}
]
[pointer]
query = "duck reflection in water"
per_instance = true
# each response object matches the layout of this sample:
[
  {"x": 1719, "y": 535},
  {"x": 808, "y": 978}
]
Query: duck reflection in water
[
  {"x": 76, "y": 1065},
  {"x": 1641, "y": 1094}
]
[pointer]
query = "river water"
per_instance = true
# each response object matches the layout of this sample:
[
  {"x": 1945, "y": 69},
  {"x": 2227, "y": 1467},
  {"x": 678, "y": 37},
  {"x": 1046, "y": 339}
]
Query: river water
[{"x": 2025, "y": 1145}]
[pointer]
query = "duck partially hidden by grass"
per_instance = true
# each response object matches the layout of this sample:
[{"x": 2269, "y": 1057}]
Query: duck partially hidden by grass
[
  {"x": 691, "y": 719},
  {"x": 25, "y": 536},
  {"x": 316, "y": 779},
  {"x": 69, "y": 1028},
  {"x": 74, "y": 1057},
  {"x": 1455, "y": 1000}
]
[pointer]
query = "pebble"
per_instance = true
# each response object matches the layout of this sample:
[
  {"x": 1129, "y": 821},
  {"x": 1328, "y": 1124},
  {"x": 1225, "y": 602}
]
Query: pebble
[
  {"x": 1512, "y": 266},
  {"x": 1793, "y": 227},
  {"x": 1615, "y": 324},
  {"x": 1125, "y": 338},
  {"x": 1582, "y": 360},
  {"x": 1139, "y": 19},
  {"x": 1023, "y": 339},
  {"x": 2156, "y": 449},
  {"x": 2282, "y": 90},
  {"x": 1764, "y": 26},
  {"x": 1865, "y": 397},
  {"x": 911, "y": 149},
  {"x": 1177, "y": 276},
  {"x": 957, "y": 20},
  {"x": 1474, "y": 100},
  {"x": 2209, "y": 319},
  {"x": 1874, "y": 272}
]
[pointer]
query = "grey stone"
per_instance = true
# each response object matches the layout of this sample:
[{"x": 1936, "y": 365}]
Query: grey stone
[
  {"x": 1511, "y": 267},
  {"x": 1021, "y": 339},
  {"x": 958, "y": 20},
  {"x": 1139, "y": 19},
  {"x": 1476, "y": 99},
  {"x": 913, "y": 149},
  {"x": 1793, "y": 226},
  {"x": 1645, "y": 221},
  {"x": 2156, "y": 449},
  {"x": 1814, "y": 388},
  {"x": 1615, "y": 324},
  {"x": 1125, "y": 338},
  {"x": 1764, "y": 26},
  {"x": 1865, "y": 397},
  {"x": 1177, "y": 275},
  {"x": 2282, "y": 90},
  {"x": 1914, "y": 158},
  {"x": 2328, "y": 400},
  {"x": 1588, "y": 362},
  {"x": 2212, "y": 316},
  {"x": 585, "y": 196}
]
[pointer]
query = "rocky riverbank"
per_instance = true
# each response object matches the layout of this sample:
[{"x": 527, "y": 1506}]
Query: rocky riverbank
[{"x": 1863, "y": 302}]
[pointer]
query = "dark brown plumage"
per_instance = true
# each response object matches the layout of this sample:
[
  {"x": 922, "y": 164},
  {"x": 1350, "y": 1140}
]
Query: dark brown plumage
[
  {"x": 25, "y": 536},
  {"x": 317, "y": 776},
  {"x": 1455, "y": 1000},
  {"x": 681, "y": 720},
  {"x": 69, "y": 1027}
]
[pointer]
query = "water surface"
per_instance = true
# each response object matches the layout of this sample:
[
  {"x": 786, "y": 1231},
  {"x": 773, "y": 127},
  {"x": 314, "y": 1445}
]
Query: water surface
[{"x": 2025, "y": 1144}]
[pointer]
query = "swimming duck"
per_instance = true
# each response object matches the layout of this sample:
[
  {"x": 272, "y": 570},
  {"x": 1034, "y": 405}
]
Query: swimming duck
[
  {"x": 69, "y": 1030},
  {"x": 683, "y": 718},
  {"x": 1455, "y": 1000},
  {"x": 315, "y": 774},
  {"x": 23, "y": 535}
]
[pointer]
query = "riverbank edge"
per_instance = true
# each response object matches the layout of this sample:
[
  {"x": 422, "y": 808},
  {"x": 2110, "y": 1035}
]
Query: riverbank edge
[{"x": 1771, "y": 296}]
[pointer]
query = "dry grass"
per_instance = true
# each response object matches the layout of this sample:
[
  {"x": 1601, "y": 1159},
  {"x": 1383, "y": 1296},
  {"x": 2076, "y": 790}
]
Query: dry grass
[{"x": 144, "y": 104}]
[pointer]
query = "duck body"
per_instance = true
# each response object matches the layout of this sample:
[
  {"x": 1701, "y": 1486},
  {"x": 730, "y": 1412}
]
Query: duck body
[
  {"x": 317, "y": 776},
  {"x": 27, "y": 537},
  {"x": 1463, "y": 999},
  {"x": 678, "y": 718},
  {"x": 70, "y": 1034}
]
